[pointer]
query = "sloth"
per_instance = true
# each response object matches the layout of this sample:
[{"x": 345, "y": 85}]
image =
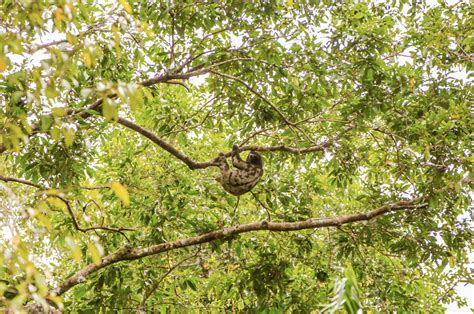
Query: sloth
[{"x": 245, "y": 174}]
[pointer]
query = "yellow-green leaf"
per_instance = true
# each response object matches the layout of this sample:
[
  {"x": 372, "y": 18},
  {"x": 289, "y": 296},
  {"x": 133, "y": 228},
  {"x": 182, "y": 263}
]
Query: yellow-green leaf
[
  {"x": 46, "y": 122},
  {"x": 71, "y": 38},
  {"x": 59, "y": 112},
  {"x": 452, "y": 261},
  {"x": 15, "y": 129},
  {"x": 110, "y": 111},
  {"x": 68, "y": 136},
  {"x": 87, "y": 59},
  {"x": 121, "y": 192},
  {"x": 44, "y": 220},
  {"x": 136, "y": 99},
  {"x": 126, "y": 6},
  {"x": 148, "y": 94},
  {"x": 427, "y": 152},
  {"x": 412, "y": 85},
  {"x": 58, "y": 203},
  {"x": 25, "y": 125},
  {"x": 54, "y": 133},
  {"x": 94, "y": 251},
  {"x": 75, "y": 249}
]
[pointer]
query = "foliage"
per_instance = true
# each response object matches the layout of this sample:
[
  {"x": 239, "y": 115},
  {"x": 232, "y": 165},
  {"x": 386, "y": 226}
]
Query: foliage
[{"x": 112, "y": 113}]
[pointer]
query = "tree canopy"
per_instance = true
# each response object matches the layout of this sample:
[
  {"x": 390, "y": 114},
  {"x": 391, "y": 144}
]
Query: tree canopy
[{"x": 112, "y": 113}]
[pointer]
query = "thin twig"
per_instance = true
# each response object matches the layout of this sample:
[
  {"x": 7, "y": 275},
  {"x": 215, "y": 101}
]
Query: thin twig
[
  {"x": 256, "y": 93},
  {"x": 90, "y": 30},
  {"x": 263, "y": 205},
  {"x": 157, "y": 283},
  {"x": 93, "y": 228}
]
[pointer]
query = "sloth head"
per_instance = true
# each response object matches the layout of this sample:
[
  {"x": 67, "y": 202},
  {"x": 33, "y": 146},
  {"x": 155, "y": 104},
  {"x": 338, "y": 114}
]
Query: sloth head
[{"x": 255, "y": 159}]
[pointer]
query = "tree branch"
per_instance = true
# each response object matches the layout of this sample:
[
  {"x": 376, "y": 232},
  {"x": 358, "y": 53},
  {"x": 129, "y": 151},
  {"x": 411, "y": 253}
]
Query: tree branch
[
  {"x": 127, "y": 253},
  {"x": 165, "y": 145},
  {"x": 69, "y": 208},
  {"x": 93, "y": 228},
  {"x": 256, "y": 93},
  {"x": 85, "y": 113},
  {"x": 38, "y": 186},
  {"x": 26, "y": 182},
  {"x": 157, "y": 283},
  {"x": 291, "y": 125},
  {"x": 35, "y": 47},
  {"x": 201, "y": 165}
]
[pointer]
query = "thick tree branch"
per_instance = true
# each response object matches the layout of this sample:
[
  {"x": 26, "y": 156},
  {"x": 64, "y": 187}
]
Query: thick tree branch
[
  {"x": 196, "y": 71},
  {"x": 85, "y": 113},
  {"x": 165, "y": 145},
  {"x": 127, "y": 253},
  {"x": 201, "y": 165},
  {"x": 100, "y": 187}
]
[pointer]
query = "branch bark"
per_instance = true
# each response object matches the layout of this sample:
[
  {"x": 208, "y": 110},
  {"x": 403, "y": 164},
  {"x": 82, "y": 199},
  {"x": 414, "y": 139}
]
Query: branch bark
[
  {"x": 26, "y": 182},
  {"x": 35, "y": 47},
  {"x": 93, "y": 228},
  {"x": 165, "y": 145},
  {"x": 85, "y": 113},
  {"x": 201, "y": 165},
  {"x": 128, "y": 253}
]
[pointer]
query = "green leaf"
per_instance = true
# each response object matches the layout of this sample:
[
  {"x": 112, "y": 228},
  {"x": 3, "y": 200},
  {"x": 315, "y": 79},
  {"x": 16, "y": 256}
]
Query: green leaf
[
  {"x": 46, "y": 122},
  {"x": 182, "y": 139},
  {"x": 191, "y": 284},
  {"x": 55, "y": 133},
  {"x": 80, "y": 291},
  {"x": 51, "y": 91}
]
